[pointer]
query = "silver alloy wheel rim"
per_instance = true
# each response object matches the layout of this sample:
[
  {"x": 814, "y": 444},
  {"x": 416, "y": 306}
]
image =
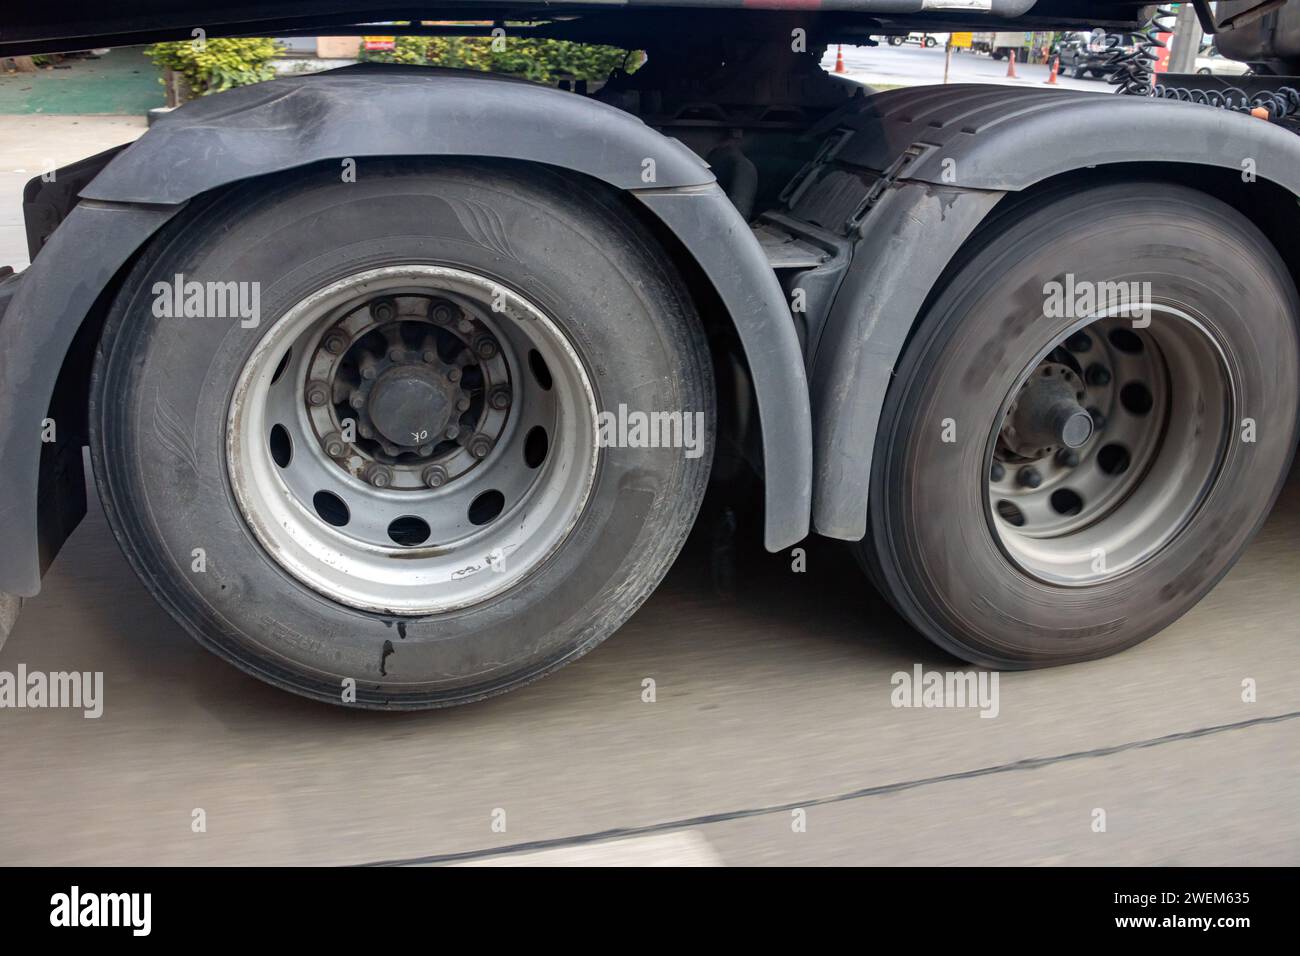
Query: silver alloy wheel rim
[
  {"x": 413, "y": 542},
  {"x": 1162, "y": 415}
]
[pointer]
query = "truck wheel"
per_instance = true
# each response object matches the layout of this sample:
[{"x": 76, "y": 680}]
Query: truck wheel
[
  {"x": 1056, "y": 480},
  {"x": 396, "y": 485}
]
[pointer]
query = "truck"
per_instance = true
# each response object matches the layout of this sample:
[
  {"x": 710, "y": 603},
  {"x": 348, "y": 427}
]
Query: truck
[
  {"x": 402, "y": 385},
  {"x": 1001, "y": 44}
]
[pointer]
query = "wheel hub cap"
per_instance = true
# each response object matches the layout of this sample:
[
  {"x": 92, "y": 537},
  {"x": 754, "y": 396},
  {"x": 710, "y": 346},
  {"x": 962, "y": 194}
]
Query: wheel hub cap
[{"x": 410, "y": 404}]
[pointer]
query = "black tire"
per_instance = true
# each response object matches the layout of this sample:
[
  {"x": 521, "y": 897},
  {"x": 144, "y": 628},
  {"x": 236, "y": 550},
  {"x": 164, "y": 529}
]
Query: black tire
[
  {"x": 1077, "y": 70},
  {"x": 895, "y": 41},
  {"x": 162, "y": 389},
  {"x": 933, "y": 539}
]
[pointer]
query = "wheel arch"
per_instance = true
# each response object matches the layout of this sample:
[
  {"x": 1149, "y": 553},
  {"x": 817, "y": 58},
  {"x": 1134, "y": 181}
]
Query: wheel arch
[
  {"x": 954, "y": 160},
  {"x": 297, "y": 122}
]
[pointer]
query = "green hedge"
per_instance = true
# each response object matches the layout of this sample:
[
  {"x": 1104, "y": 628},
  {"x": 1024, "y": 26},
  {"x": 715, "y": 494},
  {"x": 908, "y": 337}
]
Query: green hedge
[
  {"x": 543, "y": 61},
  {"x": 218, "y": 64}
]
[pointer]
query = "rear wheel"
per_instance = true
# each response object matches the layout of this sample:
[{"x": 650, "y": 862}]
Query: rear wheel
[
  {"x": 1075, "y": 452},
  {"x": 390, "y": 486}
]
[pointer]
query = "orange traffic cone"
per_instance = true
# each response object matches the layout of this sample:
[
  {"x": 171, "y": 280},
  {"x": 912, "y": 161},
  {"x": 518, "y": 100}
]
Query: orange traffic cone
[
  {"x": 1051, "y": 79},
  {"x": 1011, "y": 65},
  {"x": 839, "y": 58}
]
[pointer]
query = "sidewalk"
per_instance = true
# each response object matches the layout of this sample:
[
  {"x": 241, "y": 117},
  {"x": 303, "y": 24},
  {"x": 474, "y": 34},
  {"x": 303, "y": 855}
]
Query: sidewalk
[
  {"x": 30, "y": 145},
  {"x": 122, "y": 81}
]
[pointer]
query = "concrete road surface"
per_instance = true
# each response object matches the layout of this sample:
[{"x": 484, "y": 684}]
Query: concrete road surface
[
  {"x": 772, "y": 737},
  {"x": 886, "y": 65}
]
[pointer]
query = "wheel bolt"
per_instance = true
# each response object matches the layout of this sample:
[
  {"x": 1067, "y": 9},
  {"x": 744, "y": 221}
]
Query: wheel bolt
[
  {"x": 462, "y": 403},
  {"x": 366, "y": 431},
  {"x": 1029, "y": 477},
  {"x": 1078, "y": 342},
  {"x": 465, "y": 325},
  {"x": 425, "y": 451},
  {"x": 335, "y": 446},
  {"x": 500, "y": 399},
  {"x": 335, "y": 343},
  {"x": 383, "y": 311},
  {"x": 997, "y": 472},
  {"x": 381, "y": 476},
  {"x": 441, "y": 313},
  {"x": 1097, "y": 374},
  {"x": 1067, "y": 457},
  {"x": 485, "y": 348},
  {"x": 395, "y": 355},
  {"x": 451, "y": 432},
  {"x": 435, "y": 476},
  {"x": 318, "y": 393},
  {"x": 429, "y": 356},
  {"x": 1098, "y": 419},
  {"x": 480, "y": 446},
  {"x": 454, "y": 375}
]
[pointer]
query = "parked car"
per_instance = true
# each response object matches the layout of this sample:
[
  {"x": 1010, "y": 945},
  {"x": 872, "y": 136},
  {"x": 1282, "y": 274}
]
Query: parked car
[
  {"x": 1091, "y": 54},
  {"x": 1212, "y": 62}
]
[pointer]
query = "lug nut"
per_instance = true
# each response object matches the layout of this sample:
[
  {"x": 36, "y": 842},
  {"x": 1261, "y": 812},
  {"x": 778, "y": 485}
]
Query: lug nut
[
  {"x": 318, "y": 393},
  {"x": 441, "y": 313},
  {"x": 366, "y": 431},
  {"x": 1067, "y": 457},
  {"x": 383, "y": 311},
  {"x": 1078, "y": 342},
  {"x": 465, "y": 325},
  {"x": 435, "y": 476},
  {"x": 425, "y": 451},
  {"x": 381, "y": 476},
  {"x": 1029, "y": 477},
  {"x": 396, "y": 355},
  {"x": 997, "y": 472},
  {"x": 500, "y": 399},
  {"x": 1097, "y": 374},
  {"x": 485, "y": 348},
  {"x": 451, "y": 432},
  {"x": 479, "y": 446},
  {"x": 429, "y": 356},
  {"x": 462, "y": 403},
  {"x": 1098, "y": 419},
  {"x": 454, "y": 375},
  {"x": 336, "y": 342},
  {"x": 335, "y": 446}
]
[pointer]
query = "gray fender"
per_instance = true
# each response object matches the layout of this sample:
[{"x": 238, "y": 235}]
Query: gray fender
[
  {"x": 934, "y": 162},
  {"x": 336, "y": 116}
]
